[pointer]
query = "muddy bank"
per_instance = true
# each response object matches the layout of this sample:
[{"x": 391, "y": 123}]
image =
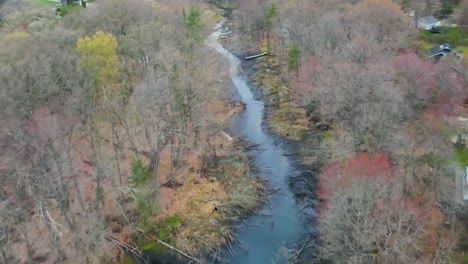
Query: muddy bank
[
  {"x": 197, "y": 217},
  {"x": 258, "y": 74},
  {"x": 282, "y": 225}
]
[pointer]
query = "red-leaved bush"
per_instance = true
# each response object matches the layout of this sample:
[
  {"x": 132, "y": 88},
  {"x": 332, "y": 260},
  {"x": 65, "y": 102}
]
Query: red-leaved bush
[
  {"x": 438, "y": 82},
  {"x": 340, "y": 173}
]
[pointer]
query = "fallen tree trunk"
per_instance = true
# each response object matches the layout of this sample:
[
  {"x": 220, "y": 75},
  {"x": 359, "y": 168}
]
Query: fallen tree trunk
[
  {"x": 176, "y": 250},
  {"x": 225, "y": 33},
  {"x": 135, "y": 251},
  {"x": 169, "y": 246},
  {"x": 279, "y": 102},
  {"x": 224, "y": 134},
  {"x": 287, "y": 154},
  {"x": 256, "y": 56},
  {"x": 250, "y": 147}
]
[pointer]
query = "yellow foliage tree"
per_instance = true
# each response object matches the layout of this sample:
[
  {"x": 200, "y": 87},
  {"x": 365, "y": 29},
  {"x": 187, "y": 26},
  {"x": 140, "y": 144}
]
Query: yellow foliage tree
[{"x": 98, "y": 57}]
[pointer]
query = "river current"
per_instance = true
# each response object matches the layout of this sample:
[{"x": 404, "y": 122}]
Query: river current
[{"x": 264, "y": 237}]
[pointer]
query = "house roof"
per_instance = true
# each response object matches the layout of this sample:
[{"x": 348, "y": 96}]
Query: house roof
[
  {"x": 439, "y": 50},
  {"x": 428, "y": 20}
]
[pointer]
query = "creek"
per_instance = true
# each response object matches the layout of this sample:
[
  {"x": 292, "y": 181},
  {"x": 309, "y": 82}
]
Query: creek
[{"x": 263, "y": 236}]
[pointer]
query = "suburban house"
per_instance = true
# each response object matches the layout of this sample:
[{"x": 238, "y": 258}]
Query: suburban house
[
  {"x": 439, "y": 51},
  {"x": 428, "y": 22}
]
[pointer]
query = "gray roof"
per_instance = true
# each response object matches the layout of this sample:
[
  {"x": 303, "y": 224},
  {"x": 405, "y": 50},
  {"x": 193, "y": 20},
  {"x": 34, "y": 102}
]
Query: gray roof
[
  {"x": 439, "y": 51},
  {"x": 428, "y": 20}
]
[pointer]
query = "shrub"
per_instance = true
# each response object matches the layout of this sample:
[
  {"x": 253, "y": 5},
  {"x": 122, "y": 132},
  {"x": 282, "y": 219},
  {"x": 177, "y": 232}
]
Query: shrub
[
  {"x": 364, "y": 165},
  {"x": 140, "y": 173}
]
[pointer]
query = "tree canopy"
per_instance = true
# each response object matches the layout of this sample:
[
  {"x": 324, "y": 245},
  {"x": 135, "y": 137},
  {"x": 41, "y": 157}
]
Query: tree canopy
[{"x": 98, "y": 57}]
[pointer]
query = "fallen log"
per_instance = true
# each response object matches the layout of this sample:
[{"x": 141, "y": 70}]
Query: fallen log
[
  {"x": 169, "y": 246},
  {"x": 224, "y": 134},
  {"x": 176, "y": 250},
  {"x": 135, "y": 251},
  {"x": 287, "y": 154},
  {"x": 302, "y": 248},
  {"x": 256, "y": 56},
  {"x": 279, "y": 102},
  {"x": 252, "y": 146},
  {"x": 172, "y": 184},
  {"x": 225, "y": 33},
  {"x": 274, "y": 190}
]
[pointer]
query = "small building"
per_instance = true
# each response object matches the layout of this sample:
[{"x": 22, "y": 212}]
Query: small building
[
  {"x": 439, "y": 51},
  {"x": 428, "y": 22}
]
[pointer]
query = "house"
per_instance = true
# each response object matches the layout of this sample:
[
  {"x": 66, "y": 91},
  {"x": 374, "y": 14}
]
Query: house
[
  {"x": 428, "y": 22},
  {"x": 439, "y": 51}
]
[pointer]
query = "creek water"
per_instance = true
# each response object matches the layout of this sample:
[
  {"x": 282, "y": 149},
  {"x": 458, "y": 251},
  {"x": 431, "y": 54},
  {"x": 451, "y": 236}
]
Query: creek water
[{"x": 262, "y": 236}]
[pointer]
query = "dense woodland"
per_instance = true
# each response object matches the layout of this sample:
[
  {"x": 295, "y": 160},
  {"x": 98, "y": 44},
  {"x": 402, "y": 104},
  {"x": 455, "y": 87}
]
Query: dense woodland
[
  {"x": 380, "y": 121},
  {"x": 112, "y": 128},
  {"x": 100, "y": 108}
]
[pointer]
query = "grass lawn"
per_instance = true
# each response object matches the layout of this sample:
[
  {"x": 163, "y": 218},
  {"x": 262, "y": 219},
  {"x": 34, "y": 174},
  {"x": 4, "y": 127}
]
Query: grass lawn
[
  {"x": 455, "y": 36},
  {"x": 64, "y": 9},
  {"x": 51, "y": 3},
  {"x": 461, "y": 157},
  {"x": 425, "y": 45},
  {"x": 464, "y": 49}
]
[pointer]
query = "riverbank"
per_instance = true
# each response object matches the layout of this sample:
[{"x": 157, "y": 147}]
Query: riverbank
[
  {"x": 288, "y": 121},
  {"x": 153, "y": 169},
  {"x": 362, "y": 118},
  {"x": 281, "y": 229},
  {"x": 271, "y": 82},
  {"x": 219, "y": 189}
]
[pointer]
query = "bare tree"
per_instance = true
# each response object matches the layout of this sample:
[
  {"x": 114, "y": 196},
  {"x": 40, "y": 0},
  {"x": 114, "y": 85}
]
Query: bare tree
[
  {"x": 369, "y": 221},
  {"x": 462, "y": 13}
]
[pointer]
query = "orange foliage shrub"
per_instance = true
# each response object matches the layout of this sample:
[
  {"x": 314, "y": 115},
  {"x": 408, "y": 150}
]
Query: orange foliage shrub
[{"x": 340, "y": 173}]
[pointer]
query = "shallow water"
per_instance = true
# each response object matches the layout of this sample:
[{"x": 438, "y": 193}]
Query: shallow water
[{"x": 263, "y": 235}]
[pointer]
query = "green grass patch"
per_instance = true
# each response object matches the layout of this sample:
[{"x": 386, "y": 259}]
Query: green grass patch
[
  {"x": 154, "y": 247},
  {"x": 463, "y": 49},
  {"x": 425, "y": 45},
  {"x": 461, "y": 156},
  {"x": 455, "y": 36},
  {"x": 148, "y": 246},
  {"x": 167, "y": 226},
  {"x": 164, "y": 230},
  {"x": 127, "y": 259},
  {"x": 65, "y": 10}
]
